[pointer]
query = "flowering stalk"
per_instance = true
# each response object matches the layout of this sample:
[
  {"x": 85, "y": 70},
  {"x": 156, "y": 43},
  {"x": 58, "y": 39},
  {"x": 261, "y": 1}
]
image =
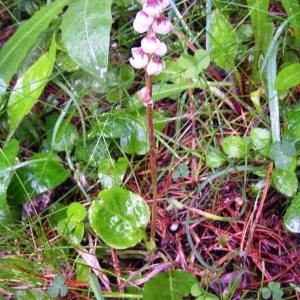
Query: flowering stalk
[{"x": 150, "y": 20}]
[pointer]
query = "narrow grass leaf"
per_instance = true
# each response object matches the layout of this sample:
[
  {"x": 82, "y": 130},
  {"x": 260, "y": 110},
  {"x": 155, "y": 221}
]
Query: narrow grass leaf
[
  {"x": 16, "y": 49},
  {"x": 86, "y": 34},
  {"x": 95, "y": 286}
]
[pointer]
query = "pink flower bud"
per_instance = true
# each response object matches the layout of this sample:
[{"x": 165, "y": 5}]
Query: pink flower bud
[
  {"x": 139, "y": 59},
  {"x": 144, "y": 95},
  {"x": 162, "y": 25},
  {"x": 153, "y": 7},
  {"x": 150, "y": 44},
  {"x": 142, "y": 22},
  {"x": 155, "y": 66}
]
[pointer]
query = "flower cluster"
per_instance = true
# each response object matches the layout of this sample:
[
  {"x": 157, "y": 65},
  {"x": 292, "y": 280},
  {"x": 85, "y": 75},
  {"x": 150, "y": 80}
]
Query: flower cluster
[{"x": 150, "y": 19}]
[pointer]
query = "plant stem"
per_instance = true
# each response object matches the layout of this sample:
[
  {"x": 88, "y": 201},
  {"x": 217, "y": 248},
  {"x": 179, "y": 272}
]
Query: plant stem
[{"x": 153, "y": 169}]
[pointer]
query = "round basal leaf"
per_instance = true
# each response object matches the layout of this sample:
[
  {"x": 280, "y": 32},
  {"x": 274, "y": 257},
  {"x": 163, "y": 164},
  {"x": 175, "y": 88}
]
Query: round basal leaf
[
  {"x": 119, "y": 217},
  {"x": 76, "y": 212},
  {"x": 285, "y": 181},
  {"x": 86, "y": 25},
  {"x": 186, "y": 61},
  {"x": 261, "y": 140},
  {"x": 215, "y": 158},
  {"x": 292, "y": 216},
  {"x": 281, "y": 153},
  {"x": 93, "y": 151},
  {"x": 170, "y": 285},
  {"x": 265, "y": 293},
  {"x": 196, "y": 290},
  {"x": 288, "y": 77},
  {"x": 43, "y": 173},
  {"x": 235, "y": 146}
]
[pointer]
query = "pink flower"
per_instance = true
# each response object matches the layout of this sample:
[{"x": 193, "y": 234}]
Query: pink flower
[
  {"x": 144, "y": 95},
  {"x": 162, "y": 25},
  {"x": 150, "y": 44},
  {"x": 139, "y": 59},
  {"x": 142, "y": 22},
  {"x": 153, "y": 7},
  {"x": 164, "y": 3},
  {"x": 155, "y": 66}
]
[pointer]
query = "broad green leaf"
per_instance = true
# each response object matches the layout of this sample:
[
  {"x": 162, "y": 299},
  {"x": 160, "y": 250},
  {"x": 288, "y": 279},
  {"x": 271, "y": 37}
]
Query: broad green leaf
[
  {"x": 93, "y": 151},
  {"x": 119, "y": 217},
  {"x": 224, "y": 41},
  {"x": 7, "y": 157},
  {"x": 111, "y": 173},
  {"x": 288, "y": 77},
  {"x": 292, "y": 216},
  {"x": 43, "y": 172},
  {"x": 181, "y": 171},
  {"x": 292, "y": 7},
  {"x": 76, "y": 212},
  {"x": 282, "y": 153},
  {"x": 261, "y": 140},
  {"x": 66, "y": 135},
  {"x": 285, "y": 181},
  {"x": 266, "y": 293},
  {"x": 15, "y": 50},
  {"x": 170, "y": 285},
  {"x": 235, "y": 146},
  {"x": 86, "y": 34},
  {"x": 215, "y": 158},
  {"x": 29, "y": 87}
]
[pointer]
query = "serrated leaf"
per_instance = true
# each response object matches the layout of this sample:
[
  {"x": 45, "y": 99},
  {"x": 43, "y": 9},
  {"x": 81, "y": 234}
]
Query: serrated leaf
[
  {"x": 7, "y": 157},
  {"x": 86, "y": 34},
  {"x": 285, "y": 181},
  {"x": 292, "y": 216},
  {"x": 224, "y": 41},
  {"x": 235, "y": 146},
  {"x": 261, "y": 140},
  {"x": 15, "y": 50},
  {"x": 170, "y": 285},
  {"x": 43, "y": 173},
  {"x": 119, "y": 217},
  {"x": 29, "y": 87}
]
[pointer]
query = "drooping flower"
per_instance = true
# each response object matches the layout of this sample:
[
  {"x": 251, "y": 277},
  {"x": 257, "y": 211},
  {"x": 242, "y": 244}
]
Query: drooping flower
[
  {"x": 162, "y": 25},
  {"x": 153, "y": 7},
  {"x": 139, "y": 59},
  {"x": 150, "y": 44},
  {"x": 142, "y": 22},
  {"x": 162, "y": 50},
  {"x": 155, "y": 66}
]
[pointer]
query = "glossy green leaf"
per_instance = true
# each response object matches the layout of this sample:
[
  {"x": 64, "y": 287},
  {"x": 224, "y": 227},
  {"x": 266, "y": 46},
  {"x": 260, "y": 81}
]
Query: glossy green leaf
[
  {"x": 93, "y": 151},
  {"x": 15, "y": 50},
  {"x": 170, "y": 285},
  {"x": 111, "y": 173},
  {"x": 285, "y": 181},
  {"x": 261, "y": 140},
  {"x": 7, "y": 157},
  {"x": 29, "y": 87},
  {"x": 215, "y": 158},
  {"x": 86, "y": 34},
  {"x": 65, "y": 137},
  {"x": 288, "y": 77},
  {"x": 43, "y": 172},
  {"x": 292, "y": 216},
  {"x": 224, "y": 41},
  {"x": 282, "y": 153},
  {"x": 119, "y": 217},
  {"x": 202, "y": 294},
  {"x": 235, "y": 146},
  {"x": 76, "y": 212}
]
